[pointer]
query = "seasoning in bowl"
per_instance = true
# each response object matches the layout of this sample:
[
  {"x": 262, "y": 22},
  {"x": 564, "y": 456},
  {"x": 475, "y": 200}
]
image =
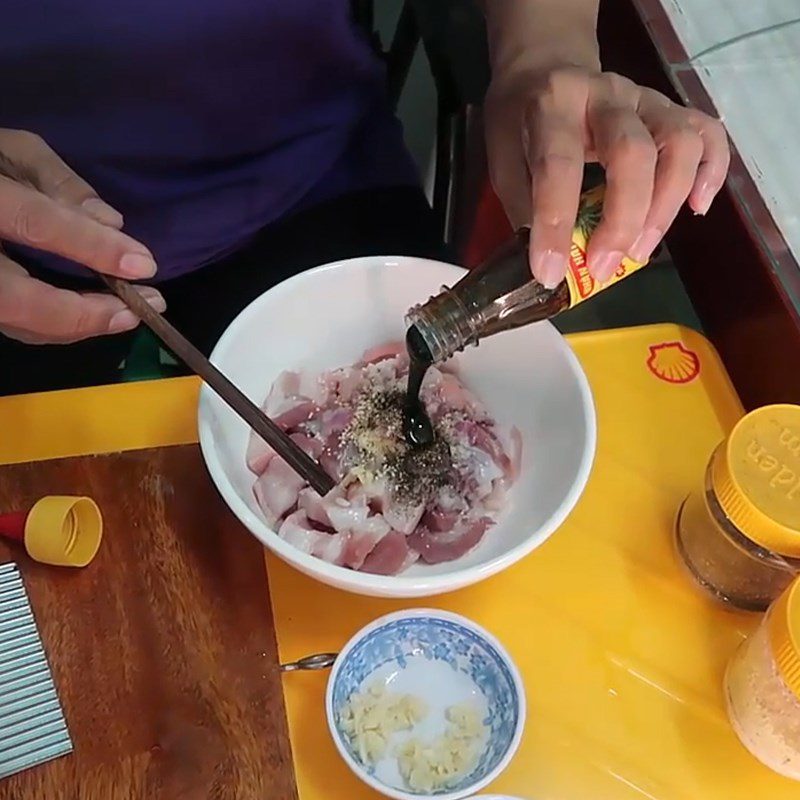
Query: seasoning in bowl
[
  {"x": 437, "y": 764},
  {"x": 370, "y": 718},
  {"x": 382, "y": 724}
]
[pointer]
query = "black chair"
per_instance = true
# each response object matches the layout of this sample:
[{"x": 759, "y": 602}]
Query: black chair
[{"x": 453, "y": 35}]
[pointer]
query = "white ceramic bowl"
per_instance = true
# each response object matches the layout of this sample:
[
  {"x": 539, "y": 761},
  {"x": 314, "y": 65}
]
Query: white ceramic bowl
[
  {"x": 445, "y": 660},
  {"x": 326, "y": 318}
]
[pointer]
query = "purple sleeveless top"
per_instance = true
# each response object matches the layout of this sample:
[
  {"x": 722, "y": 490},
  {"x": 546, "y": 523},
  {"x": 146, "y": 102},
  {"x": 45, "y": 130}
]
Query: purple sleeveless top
[{"x": 201, "y": 120}]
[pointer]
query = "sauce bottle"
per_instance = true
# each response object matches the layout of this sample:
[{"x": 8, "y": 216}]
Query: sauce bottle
[
  {"x": 497, "y": 296},
  {"x": 500, "y": 294}
]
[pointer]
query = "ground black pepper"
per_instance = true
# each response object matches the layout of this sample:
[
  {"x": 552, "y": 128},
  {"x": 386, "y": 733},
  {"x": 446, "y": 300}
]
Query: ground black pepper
[{"x": 413, "y": 474}]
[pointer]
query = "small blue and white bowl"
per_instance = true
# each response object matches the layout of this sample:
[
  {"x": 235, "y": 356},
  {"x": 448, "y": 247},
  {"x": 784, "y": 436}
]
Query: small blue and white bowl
[{"x": 446, "y": 660}]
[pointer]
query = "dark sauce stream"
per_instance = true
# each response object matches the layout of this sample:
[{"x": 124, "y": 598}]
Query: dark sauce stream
[{"x": 417, "y": 426}]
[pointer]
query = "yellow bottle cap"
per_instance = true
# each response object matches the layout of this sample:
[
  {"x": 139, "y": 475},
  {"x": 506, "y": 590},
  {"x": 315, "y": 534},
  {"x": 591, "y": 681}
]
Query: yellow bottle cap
[
  {"x": 784, "y": 634},
  {"x": 756, "y": 477},
  {"x": 64, "y": 531}
]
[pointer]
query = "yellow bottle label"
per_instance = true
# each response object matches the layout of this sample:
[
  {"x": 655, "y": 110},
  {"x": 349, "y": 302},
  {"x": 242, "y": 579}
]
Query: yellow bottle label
[{"x": 581, "y": 284}]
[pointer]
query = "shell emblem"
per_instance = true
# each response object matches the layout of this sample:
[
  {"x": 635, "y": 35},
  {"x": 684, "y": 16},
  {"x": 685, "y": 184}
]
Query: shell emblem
[{"x": 673, "y": 363}]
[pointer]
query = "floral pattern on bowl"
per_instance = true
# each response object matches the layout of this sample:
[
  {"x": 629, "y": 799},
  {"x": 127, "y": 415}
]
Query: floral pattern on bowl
[{"x": 443, "y": 639}]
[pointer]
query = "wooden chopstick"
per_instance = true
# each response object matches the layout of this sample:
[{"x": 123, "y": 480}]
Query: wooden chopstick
[{"x": 298, "y": 460}]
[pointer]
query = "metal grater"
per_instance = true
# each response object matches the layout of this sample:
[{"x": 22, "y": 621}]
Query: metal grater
[{"x": 32, "y": 725}]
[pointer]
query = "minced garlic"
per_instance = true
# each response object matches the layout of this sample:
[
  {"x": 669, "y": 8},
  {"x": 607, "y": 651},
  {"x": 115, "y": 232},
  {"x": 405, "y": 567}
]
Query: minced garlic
[
  {"x": 442, "y": 763},
  {"x": 371, "y": 718}
]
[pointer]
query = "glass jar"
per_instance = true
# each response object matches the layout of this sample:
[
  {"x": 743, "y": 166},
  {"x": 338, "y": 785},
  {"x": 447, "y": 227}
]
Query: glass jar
[
  {"x": 762, "y": 687},
  {"x": 739, "y": 532}
]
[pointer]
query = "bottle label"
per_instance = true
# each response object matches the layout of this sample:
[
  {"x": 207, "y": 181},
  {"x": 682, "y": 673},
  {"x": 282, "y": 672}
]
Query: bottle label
[{"x": 581, "y": 284}]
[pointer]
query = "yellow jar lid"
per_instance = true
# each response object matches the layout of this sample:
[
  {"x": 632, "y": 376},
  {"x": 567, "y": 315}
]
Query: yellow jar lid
[
  {"x": 65, "y": 531},
  {"x": 756, "y": 478},
  {"x": 784, "y": 633}
]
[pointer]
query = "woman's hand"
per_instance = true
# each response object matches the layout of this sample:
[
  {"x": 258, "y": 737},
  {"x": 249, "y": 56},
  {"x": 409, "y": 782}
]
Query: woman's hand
[
  {"x": 543, "y": 123},
  {"x": 45, "y": 205}
]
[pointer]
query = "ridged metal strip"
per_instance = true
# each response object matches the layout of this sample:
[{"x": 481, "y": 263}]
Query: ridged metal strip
[{"x": 32, "y": 725}]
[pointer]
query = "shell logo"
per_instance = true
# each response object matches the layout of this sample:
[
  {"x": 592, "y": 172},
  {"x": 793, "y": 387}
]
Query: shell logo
[{"x": 673, "y": 363}]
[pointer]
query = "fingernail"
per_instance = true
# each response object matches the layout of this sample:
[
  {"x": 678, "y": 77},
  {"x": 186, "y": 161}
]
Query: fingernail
[
  {"x": 102, "y": 212},
  {"x": 155, "y": 300},
  {"x": 705, "y": 196},
  {"x": 549, "y": 268},
  {"x": 137, "y": 265},
  {"x": 124, "y": 320},
  {"x": 604, "y": 264},
  {"x": 643, "y": 247}
]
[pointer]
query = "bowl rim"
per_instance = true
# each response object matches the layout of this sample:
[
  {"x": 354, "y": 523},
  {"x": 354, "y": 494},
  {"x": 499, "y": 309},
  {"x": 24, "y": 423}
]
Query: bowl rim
[
  {"x": 474, "y": 627},
  {"x": 364, "y": 582}
]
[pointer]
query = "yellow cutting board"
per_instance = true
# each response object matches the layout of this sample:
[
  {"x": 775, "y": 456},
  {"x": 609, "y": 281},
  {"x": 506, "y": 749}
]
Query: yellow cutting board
[
  {"x": 621, "y": 654},
  {"x": 622, "y": 657}
]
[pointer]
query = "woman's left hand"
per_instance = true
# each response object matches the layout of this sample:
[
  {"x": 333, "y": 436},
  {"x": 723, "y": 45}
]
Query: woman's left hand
[{"x": 544, "y": 124}]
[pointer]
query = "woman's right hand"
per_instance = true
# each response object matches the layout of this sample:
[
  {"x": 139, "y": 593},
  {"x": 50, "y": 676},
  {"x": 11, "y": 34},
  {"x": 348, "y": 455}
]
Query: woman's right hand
[{"x": 45, "y": 205}]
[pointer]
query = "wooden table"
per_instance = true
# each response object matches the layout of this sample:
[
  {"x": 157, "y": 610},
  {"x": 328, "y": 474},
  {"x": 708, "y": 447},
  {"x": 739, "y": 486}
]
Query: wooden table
[{"x": 163, "y": 649}]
